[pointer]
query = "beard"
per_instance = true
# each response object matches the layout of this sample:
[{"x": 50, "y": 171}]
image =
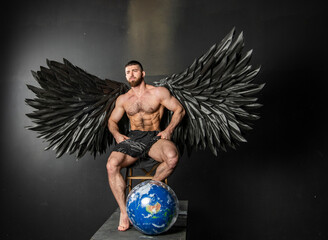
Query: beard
[{"x": 136, "y": 83}]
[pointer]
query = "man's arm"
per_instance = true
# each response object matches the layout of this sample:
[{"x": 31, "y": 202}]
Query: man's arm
[
  {"x": 114, "y": 118},
  {"x": 172, "y": 104}
]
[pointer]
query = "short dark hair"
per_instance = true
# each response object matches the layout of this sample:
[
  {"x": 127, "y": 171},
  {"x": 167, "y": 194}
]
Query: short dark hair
[{"x": 134, "y": 62}]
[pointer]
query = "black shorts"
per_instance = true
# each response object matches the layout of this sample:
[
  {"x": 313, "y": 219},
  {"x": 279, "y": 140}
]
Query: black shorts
[{"x": 139, "y": 143}]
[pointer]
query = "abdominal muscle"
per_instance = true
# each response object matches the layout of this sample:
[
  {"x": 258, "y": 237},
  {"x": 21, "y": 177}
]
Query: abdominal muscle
[{"x": 145, "y": 122}]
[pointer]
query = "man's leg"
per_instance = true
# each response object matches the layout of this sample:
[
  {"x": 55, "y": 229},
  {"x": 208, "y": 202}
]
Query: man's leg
[
  {"x": 115, "y": 163},
  {"x": 165, "y": 152}
]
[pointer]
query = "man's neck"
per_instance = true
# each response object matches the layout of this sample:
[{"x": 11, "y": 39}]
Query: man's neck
[{"x": 140, "y": 89}]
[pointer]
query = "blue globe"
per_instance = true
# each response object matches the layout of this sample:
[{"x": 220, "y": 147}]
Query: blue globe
[{"x": 152, "y": 207}]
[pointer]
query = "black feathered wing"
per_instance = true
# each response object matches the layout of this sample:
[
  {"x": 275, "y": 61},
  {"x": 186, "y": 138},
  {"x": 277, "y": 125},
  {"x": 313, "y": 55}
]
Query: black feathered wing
[
  {"x": 218, "y": 94},
  {"x": 72, "y": 109}
]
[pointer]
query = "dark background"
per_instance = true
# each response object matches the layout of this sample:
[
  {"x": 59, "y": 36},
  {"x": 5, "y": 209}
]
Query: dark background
[{"x": 273, "y": 187}]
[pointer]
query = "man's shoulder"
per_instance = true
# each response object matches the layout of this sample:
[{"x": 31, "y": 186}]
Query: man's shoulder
[
  {"x": 123, "y": 97},
  {"x": 127, "y": 94},
  {"x": 157, "y": 89}
]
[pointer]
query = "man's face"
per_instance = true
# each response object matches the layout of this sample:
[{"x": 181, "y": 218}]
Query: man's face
[{"x": 134, "y": 75}]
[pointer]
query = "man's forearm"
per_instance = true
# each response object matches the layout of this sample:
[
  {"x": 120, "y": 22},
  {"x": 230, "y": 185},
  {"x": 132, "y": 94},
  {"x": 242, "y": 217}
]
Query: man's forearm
[
  {"x": 113, "y": 128},
  {"x": 115, "y": 131},
  {"x": 175, "y": 120}
]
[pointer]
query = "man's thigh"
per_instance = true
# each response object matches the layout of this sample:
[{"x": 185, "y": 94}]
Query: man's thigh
[
  {"x": 122, "y": 159},
  {"x": 161, "y": 148}
]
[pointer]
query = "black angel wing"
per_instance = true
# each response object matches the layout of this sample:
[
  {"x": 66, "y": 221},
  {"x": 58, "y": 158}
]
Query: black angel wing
[
  {"x": 72, "y": 108},
  {"x": 218, "y": 94}
]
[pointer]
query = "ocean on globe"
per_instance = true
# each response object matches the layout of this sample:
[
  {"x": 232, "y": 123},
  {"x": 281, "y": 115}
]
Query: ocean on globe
[{"x": 152, "y": 207}]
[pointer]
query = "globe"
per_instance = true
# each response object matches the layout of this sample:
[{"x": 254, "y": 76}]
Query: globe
[{"x": 152, "y": 207}]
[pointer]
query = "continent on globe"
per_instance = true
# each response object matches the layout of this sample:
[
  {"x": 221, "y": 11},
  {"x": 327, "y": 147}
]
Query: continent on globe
[{"x": 153, "y": 209}]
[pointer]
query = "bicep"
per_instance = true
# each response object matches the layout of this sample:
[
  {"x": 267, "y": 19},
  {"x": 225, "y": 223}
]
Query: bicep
[
  {"x": 169, "y": 101},
  {"x": 117, "y": 112}
]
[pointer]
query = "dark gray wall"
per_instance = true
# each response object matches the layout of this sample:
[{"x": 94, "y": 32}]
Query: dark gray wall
[{"x": 273, "y": 187}]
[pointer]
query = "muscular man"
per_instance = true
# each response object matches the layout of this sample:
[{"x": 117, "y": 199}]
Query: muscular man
[{"x": 144, "y": 105}]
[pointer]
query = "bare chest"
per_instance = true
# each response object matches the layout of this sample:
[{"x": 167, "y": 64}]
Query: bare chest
[{"x": 144, "y": 104}]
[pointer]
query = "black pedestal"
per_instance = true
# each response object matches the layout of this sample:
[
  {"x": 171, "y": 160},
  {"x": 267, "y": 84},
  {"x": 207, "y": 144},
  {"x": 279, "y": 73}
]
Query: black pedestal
[{"x": 108, "y": 231}]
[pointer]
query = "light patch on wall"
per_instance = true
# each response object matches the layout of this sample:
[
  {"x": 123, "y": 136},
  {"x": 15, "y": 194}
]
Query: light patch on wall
[{"x": 151, "y": 28}]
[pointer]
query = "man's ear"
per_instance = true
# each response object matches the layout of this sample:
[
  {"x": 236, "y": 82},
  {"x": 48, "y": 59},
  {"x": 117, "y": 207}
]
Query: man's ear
[{"x": 143, "y": 74}]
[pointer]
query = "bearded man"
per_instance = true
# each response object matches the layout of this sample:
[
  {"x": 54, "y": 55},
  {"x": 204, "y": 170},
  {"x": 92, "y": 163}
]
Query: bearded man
[{"x": 144, "y": 105}]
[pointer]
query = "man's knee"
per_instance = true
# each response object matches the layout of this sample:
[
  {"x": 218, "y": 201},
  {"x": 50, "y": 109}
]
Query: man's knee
[
  {"x": 172, "y": 157},
  {"x": 113, "y": 164}
]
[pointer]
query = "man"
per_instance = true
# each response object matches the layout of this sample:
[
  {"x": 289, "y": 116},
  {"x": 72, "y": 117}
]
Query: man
[{"x": 144, "y": 105}]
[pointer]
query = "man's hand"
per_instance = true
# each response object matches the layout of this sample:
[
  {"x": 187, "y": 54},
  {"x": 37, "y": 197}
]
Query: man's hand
[
  {"x": 164, "y": 135},
  {"x": 120, "y": 138}
]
